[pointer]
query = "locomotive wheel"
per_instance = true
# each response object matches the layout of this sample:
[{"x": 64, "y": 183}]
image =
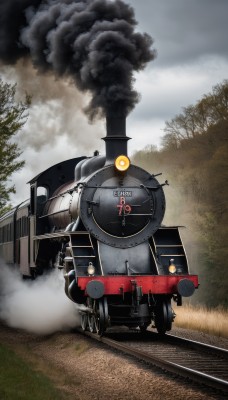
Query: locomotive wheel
[
  {"x": 106, "y": 316},
  {"x": 84, "y": 321},
  {"x": 169, "y": 315},
  {"x": 91, "y": 323},
  {"x": 163, "y": 316},
  {"x": 100, "y": 318}
]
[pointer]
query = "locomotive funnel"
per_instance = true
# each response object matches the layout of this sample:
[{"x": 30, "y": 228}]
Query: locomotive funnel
[{"x": 116, "y": 139}]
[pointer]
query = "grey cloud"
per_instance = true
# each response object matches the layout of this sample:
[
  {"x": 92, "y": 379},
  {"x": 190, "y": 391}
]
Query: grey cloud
[{"x": 184, "y": 30}]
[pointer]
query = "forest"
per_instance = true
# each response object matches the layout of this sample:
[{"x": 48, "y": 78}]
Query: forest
[{"x": 194, "y": 159}]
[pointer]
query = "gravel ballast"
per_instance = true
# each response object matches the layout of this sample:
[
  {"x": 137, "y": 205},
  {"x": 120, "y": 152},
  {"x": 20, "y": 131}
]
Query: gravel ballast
[{"x": 85, "y": 369}]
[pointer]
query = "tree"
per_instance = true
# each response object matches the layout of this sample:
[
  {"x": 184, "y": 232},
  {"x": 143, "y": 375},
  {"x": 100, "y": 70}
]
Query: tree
[
  {"x": 13, "y": 115},
  {"x": 196, "y": 119}
]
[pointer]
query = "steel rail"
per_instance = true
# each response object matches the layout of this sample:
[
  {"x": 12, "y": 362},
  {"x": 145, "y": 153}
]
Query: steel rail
[
  {"x": 166, "y": 365},
  {"x": 198, "y": 345}
]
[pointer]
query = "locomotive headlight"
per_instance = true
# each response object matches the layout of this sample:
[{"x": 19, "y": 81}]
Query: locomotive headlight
[
  {"x": 122, "y": 163},
  {"x": 172, "y": 267},
  {"x": 91, "y": 269}
]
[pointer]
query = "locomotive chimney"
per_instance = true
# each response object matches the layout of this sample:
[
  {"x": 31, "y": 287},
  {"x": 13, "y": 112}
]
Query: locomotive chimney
[{"x": 116, "y": 139}]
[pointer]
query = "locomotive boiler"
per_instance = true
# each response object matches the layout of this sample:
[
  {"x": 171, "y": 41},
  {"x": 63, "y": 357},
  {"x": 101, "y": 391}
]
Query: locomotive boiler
[{"x": 99, "y": 219}]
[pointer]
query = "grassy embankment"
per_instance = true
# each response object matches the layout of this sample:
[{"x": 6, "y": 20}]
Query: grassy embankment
[
  {"x": 213, "y": 322},
  {"x": 19, "y": 381}
]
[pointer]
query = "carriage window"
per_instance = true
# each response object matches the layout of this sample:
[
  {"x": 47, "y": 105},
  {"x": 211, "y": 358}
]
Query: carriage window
[{"x": 42, "y": 196}]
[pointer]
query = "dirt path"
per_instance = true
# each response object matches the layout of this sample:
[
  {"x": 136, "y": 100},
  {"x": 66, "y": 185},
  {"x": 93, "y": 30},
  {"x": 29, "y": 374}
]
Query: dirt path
[{"x": 86, "y": 370}]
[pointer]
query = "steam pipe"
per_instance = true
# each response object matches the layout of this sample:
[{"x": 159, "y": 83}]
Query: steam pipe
[{"x": 116, "y": 139}]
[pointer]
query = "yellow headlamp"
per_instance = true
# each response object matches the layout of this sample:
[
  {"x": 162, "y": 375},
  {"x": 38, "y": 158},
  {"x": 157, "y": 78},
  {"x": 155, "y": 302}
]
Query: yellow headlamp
[
  {"x": 172, "y": 266},
  {"x": 91, "y": 269},
  {"x": 122, "y": 163}
]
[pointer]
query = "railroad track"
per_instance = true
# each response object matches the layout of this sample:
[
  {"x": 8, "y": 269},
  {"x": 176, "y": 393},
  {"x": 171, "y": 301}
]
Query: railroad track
[{"x": 199, "y": 362}]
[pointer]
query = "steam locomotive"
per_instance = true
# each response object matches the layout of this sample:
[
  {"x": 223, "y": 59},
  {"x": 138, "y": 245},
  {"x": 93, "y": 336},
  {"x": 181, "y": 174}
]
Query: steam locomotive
[{"x": 99, "y": 219}]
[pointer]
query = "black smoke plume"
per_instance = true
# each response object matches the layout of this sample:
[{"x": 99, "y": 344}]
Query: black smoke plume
[{"x": 92, "y": 42}]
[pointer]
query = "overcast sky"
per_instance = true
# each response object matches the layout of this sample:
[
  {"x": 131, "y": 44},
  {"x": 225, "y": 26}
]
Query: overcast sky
[{"x": 191, "y": 41}]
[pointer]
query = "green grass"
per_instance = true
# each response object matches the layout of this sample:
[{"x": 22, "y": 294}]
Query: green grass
[{"x": 20, "y": 381}]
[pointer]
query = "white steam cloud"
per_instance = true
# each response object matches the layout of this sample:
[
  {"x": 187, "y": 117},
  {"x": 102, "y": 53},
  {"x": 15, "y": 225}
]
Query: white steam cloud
[{"x": 39, "y": 306}]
